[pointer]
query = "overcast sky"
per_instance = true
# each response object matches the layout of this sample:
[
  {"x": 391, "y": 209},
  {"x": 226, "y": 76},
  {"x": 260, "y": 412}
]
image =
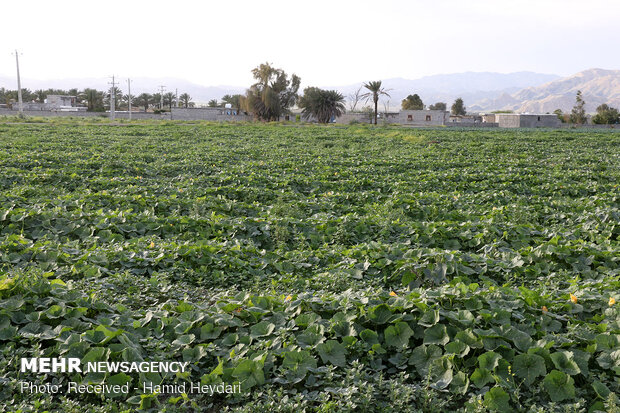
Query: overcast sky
[{"x": 325, "y": 42}]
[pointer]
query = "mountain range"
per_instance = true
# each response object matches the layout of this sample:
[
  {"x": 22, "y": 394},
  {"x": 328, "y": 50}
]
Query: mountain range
[
  {"x": 481, "y": 91},
  {"x": 597, "y": 86}
]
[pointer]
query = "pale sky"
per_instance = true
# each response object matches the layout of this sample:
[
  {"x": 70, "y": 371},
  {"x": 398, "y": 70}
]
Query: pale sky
[{"x": 327, "y": 43}]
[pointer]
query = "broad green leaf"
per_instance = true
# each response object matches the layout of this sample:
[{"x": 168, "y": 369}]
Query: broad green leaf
[
  {"x": 380, "y": 314},
  {"x": 469, "y": 338},
  {"x": 8, "y": 333},
  {"x": 436, "y": 334},
  {"x": 422, "y": 356},
  {"x": 440, "y": 373},
  {"x": 429, "y": 318},
  {"x": 458, "y": 348},
  {"x": 528, "y": 367},
  {"x": 398, "y": 335},
  {"x": 480, "y": 377},
  {"x": 498, "y": 400},
  {"x": 460, "y": 383},
  {"x": 601, "y": 390},
  {"x": 369, "y": 336},
  {"x": 311, "y": 336},
  {"x": 333, "y": 352},
  {"x": 521, "y": 340},
  {"x": 563, "y": 361},
  {"x": 560, "y": 386},
  {"x": 261, "y": 329},
  {"x": 489, "y": 360},
  {"x": 249, "y": 373},
  {"x": 210, "y": 332}
]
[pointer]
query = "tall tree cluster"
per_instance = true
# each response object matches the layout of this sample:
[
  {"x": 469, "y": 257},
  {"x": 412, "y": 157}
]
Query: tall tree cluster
[
  {"x": 606, "y": 115},
  {"x": 412, "y": 102},
  {"x": 273, "y": 94},
  {"x": 324, "y": 105},
  {"x": 578, "y": 114},
  {"x": 458, "y": 107}
]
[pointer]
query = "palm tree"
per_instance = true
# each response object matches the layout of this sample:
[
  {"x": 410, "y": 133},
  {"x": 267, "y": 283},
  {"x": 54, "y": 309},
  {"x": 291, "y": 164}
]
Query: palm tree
[
  {"x": 185, "y": 99},
  {"x": 374, "y": 91},
  {"x": 142, "y": 100},
  {"x": 213, "y": 103},
  {"x": 156, "y": 101},
  {"x": 94, "y": 99},
  {"x": 169, "y": 99},
  {"x": 324, "y": 105},
  {"x": 234, "y": 101},
  {"x": 41, "y": 95}
]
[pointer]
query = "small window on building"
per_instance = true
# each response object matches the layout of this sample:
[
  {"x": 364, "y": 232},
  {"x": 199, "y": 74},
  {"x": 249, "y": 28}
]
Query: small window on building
[
  {"x": 410, "y": 117},
  {"x": 428, "y": 118},
  {"x": 539, "y": 118}
]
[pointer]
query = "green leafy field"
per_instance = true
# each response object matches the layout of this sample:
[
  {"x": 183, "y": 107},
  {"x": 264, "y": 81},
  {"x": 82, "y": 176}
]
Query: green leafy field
[{"x": 324, "y": 269}]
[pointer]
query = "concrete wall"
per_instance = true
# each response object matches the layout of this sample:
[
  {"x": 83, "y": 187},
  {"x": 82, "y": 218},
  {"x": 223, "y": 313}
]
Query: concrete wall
[
  {"x": 213, "y": 114},
  {"x": 508, "y": 120},
  {"x": 353, "y": 117},
  {"x": 519, "y": 120},
  {"x": 589, "y": 126},
  {"x": 421, "y": 117},
  {"x": 488, "y": 118},
  {"x": 472, "y": 125},
  {"x": 539, "y": 121},
  {"x": 207, "y": 114},
  {"x": 81, "y": 114}
]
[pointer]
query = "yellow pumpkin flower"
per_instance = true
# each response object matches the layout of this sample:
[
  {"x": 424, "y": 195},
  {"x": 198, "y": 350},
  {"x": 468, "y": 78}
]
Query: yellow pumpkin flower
[
  {"x": 288, "y": 298},
  {"x": 573, "y": 298},
  {"x": 393, "y": 294},
  {"x": 152, "y": 245},
  {"x": 612, "y": 301},
  {"x": 544, "y": 309}
]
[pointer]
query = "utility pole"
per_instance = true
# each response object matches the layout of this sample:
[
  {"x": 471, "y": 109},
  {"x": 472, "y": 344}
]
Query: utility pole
[
  {"x": 161, "y": 97},
  {"x": 129, "y": 96},
  {"x": 176, "y": 98},
  {"x": 19, "y": 85},
  {"x": 113, "y": 99}
]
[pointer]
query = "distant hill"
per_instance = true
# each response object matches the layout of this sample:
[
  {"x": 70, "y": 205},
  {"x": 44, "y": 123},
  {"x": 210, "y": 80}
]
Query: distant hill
[
  {"x": 597, "y": 86},
  {"x": 471, "y": 86}
]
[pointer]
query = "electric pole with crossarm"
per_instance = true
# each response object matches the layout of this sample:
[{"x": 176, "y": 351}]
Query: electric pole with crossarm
[
  {"x": 113, "y": 99},
  {"x": 19, "y": 86}
]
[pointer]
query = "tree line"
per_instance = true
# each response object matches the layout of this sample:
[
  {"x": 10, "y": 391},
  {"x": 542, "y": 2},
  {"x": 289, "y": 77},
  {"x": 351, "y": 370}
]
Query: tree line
[
  {"x": 605, "y": 114},
  {"x": 274, "y": 94},
  {"x": 97, "y": 100}
]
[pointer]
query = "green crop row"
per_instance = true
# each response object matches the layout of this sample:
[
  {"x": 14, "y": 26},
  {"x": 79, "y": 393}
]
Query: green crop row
[{"x": 321, "y": 268}]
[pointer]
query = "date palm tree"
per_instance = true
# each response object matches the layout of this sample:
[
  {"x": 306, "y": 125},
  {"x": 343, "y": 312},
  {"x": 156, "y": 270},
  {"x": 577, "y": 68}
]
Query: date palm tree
[
  {"x": 374, "y": 91},
  {"x": 185, "y": 99},
  {"x": 324, "y": 105},
  {"x": 169, "y": 99},
  {"x": 142, "y": 100}
]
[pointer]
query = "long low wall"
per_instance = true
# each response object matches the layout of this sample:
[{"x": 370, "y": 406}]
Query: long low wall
[
  {"x": 472, "y": 125},
  {"x": 176, "y": 114},
  {"x": 570, "y": 125},
  {"x": 83, "y": 114}
]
